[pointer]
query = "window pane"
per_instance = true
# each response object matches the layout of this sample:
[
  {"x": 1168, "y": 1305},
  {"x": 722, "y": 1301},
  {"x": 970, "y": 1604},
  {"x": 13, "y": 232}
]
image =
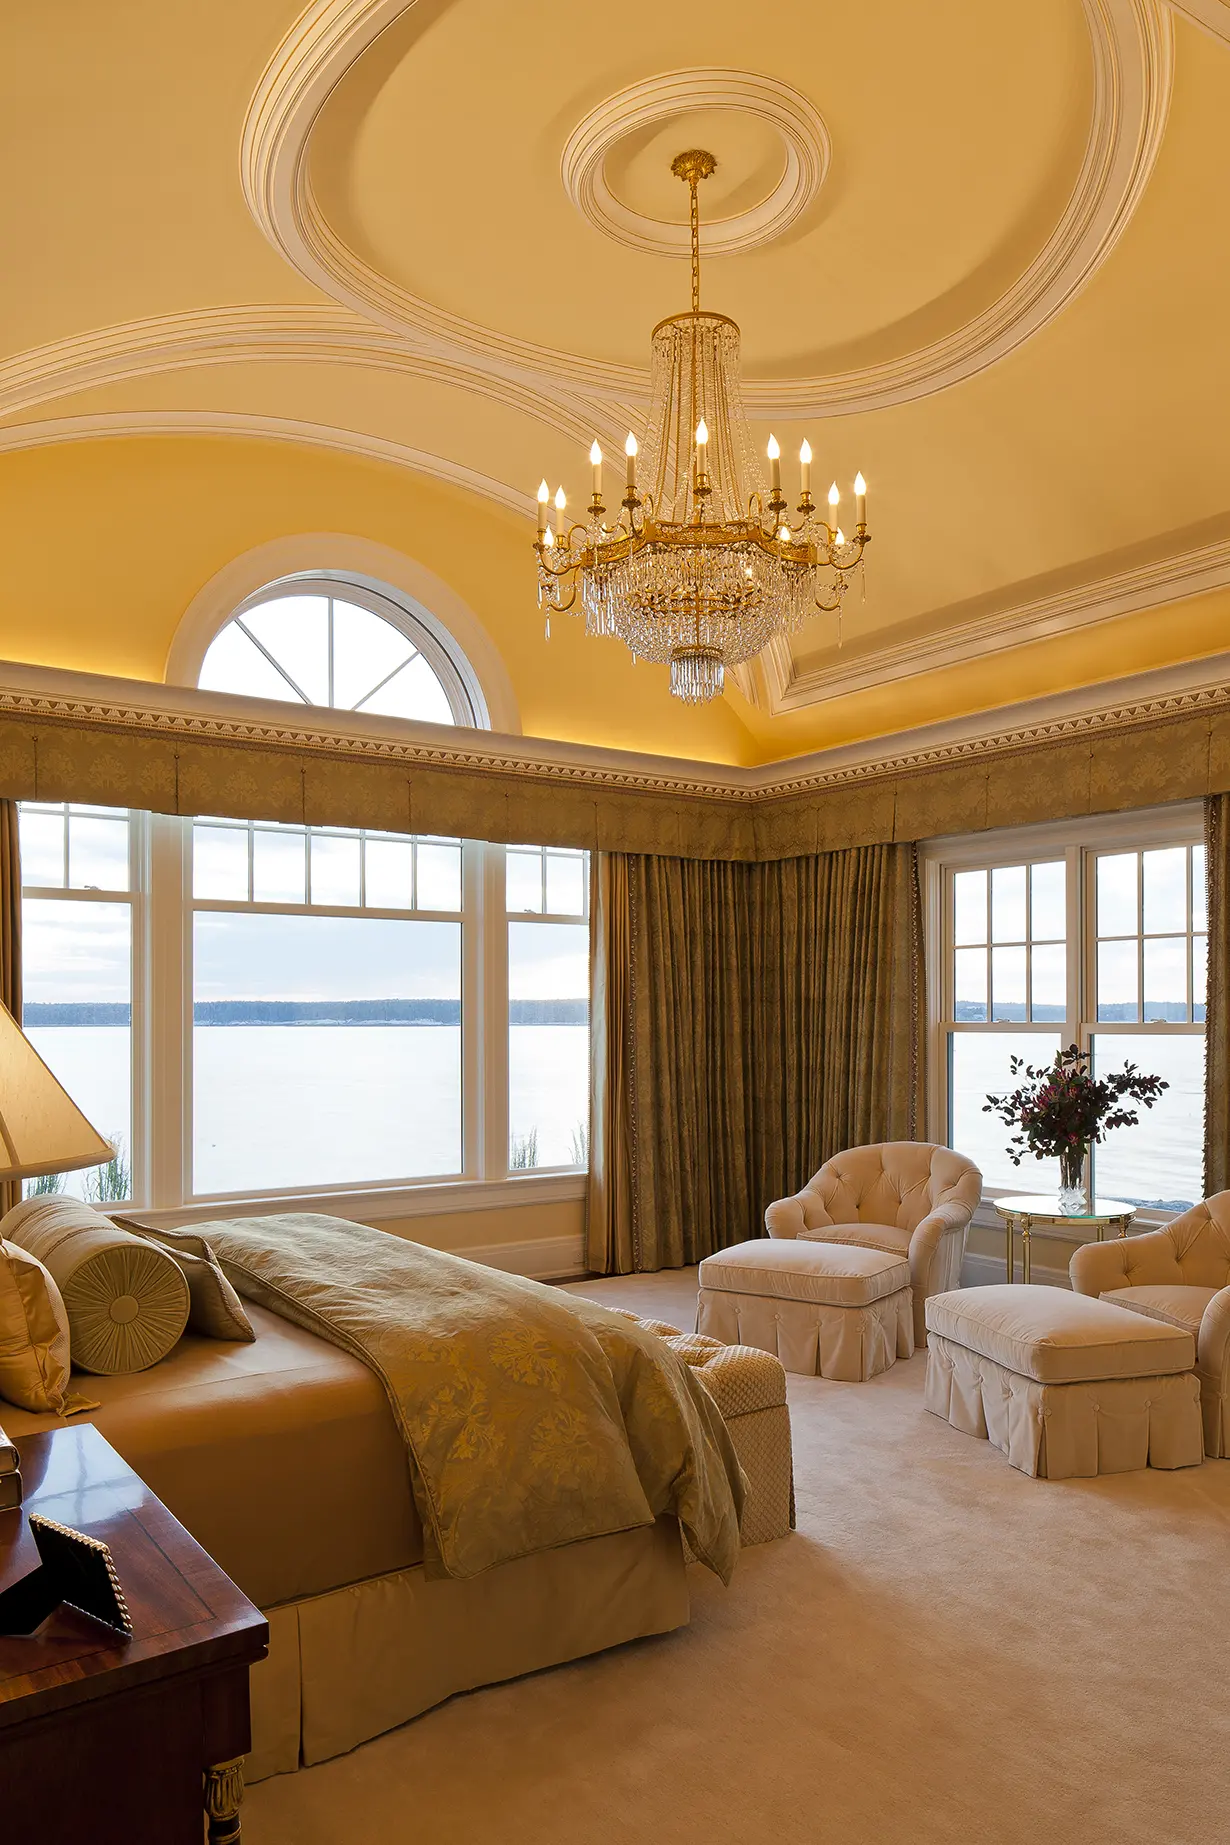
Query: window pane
[
  {"x": 1008, "y": 983},
  {"x": 1160, "y": 1161},
  {"x": 566, "y": 884},
  {"x": 335, "y": 870},
  {"x": 1200, "y": 975},
  {"x": 1048, "y": 893},
  {"x": 1116, "y": 884},
  {"x": 327, "y": 1051},
  {"x": 236, "y": 664},
  {"x": 42, "y": 848},
  {"x": 1049, "y": 977},
  {"x": 366, "y": 649},
  {"x": 295, "y": 630},
  {"x": 1008, "y": 903},
  {"x": 971, "y": 984},
  {"x": 220, "y": 862},
  {"x": 389, "y": 873},
  {"x": 279, "y": 867},
  {"x": 524, "y": 881},
  {"x": 1117, "y": 981},
  {"x": 969, "y": 903},
  {"x": 1199, "y": 902},
  {"x": 97, "y": 854},
  {"x": 1166, "y": 978},
  {"x": 979, "y": 1067},
  {"x": 415, "y": 693},
  {"x": 1165, "y": 882},
  {"x": 548, "y": 1044},
  {"x": 439, "y": 886},
  {"x": 77, "y": 996}
]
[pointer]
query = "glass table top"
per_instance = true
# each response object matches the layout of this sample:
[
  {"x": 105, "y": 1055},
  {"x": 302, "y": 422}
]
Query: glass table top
[{"x": 1037, "y": 1204}]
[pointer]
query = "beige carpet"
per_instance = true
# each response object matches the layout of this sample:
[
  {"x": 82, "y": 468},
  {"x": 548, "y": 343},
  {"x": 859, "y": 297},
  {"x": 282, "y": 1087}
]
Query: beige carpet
[{"x": 945, "y": 1651}]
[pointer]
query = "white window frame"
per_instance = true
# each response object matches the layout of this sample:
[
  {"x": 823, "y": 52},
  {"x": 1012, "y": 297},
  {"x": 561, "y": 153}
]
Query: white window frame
[
  {"x": 133, "y": 897},
  {"x": 1077, "y": 842},
  {"x": 162, "y": 907},
  {"x": 428, "y": 636},
  {"x": 546, "y": 919}
]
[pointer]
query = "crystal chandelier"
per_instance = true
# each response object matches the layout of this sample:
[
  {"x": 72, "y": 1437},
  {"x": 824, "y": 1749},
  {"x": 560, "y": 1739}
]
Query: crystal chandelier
[{"x": 704, "y": 568}]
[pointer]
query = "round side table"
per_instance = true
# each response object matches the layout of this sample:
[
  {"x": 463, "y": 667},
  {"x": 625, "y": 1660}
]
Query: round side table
[{"x": 1029, "y": 1210}]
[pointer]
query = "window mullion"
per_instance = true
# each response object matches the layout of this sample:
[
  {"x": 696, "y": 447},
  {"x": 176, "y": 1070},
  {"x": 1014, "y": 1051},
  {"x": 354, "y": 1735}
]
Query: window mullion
[{"x": 167, "y": 932}]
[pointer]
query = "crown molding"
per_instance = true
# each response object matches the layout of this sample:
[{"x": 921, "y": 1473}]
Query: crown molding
[
  {"x": 1213, "y": 16},
  {"x": 53, "y": 695},
  {"x": 114, "y": 424},
  {"x": 1131, "y": 43},
  {"x": 780, "y": 687},
  {"x": 797, "y": 123},
  {"x": 272, "y": 335}
]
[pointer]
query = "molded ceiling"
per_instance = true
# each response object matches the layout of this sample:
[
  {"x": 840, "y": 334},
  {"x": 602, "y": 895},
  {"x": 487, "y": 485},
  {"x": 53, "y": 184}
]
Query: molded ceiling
[{"x": 981, "y": 252}]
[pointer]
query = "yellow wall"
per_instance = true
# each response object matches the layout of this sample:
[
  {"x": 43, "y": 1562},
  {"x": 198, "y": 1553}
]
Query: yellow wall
[{"x": 106, "y": 543}]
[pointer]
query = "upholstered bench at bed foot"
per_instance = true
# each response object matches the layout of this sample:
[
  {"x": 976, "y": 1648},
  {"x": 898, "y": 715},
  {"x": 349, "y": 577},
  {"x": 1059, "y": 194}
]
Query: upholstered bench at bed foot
[
  {"x": 749, "y": 1388},
  {"x": 1064, "y": 1385},
  {"x": 825, "y": 1309}
]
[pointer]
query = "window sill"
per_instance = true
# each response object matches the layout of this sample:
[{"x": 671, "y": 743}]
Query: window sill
[{"x": 438, "y": 1198}]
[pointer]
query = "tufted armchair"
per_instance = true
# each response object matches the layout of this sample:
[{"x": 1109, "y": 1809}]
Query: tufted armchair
[
  {"x": 906, "y": 1197},
  {"x": 1180, "y": 1275}
]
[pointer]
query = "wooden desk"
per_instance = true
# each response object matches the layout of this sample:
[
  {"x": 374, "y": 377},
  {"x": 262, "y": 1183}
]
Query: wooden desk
[{"x": 113, "y": 1741}]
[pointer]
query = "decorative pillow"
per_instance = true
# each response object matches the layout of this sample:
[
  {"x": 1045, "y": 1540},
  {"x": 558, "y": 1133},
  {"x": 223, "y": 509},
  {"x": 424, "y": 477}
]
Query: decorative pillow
[
  {"x": 216, "y": 1311},
  {"x": 126, "y": 1300},
  {"x": 34, "y": 1341}
]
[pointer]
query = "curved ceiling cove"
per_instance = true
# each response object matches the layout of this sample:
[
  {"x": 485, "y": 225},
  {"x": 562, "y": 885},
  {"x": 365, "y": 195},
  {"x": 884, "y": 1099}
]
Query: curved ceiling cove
[{"x": 410, "y": 191}]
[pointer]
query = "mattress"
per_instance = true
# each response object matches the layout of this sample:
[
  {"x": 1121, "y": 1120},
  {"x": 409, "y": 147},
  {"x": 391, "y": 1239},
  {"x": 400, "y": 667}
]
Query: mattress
[{"x": 280, "y": 1457}]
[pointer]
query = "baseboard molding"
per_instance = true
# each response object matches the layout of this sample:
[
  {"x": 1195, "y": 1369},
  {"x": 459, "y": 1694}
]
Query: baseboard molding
[
  {"x": 544, "y": 1258},
  {"x": 980, "y": 1271}
]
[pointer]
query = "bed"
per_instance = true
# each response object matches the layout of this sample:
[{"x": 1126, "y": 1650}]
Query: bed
[{"x": 283, "y": 1458}]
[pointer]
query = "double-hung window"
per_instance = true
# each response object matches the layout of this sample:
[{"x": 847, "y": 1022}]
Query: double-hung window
[
  {"x": 1090, "y": 933},
  {"x": 326, "y": 1007},
  {"x": 547, "y": 898},
  {"x": 77, "y": 975},
  {"x": 252, "y": 1009}
]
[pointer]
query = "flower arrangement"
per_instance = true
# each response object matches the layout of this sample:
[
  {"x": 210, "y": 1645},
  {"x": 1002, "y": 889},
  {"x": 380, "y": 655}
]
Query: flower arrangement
[{"x": 1062, "y": 1108}]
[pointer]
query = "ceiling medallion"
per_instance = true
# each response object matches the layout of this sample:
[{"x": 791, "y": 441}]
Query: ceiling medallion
[
  {"x": 788, "y": 117},
  {"x": 702, "y": 570}
]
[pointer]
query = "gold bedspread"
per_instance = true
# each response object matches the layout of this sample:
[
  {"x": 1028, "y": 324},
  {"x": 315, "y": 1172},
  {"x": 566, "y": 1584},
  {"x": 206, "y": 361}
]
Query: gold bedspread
[{"x": 532, "y": 1418}]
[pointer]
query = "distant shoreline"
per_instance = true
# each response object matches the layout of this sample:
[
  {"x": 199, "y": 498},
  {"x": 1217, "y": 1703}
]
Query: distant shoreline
[{"x": 447, "y": 1012}]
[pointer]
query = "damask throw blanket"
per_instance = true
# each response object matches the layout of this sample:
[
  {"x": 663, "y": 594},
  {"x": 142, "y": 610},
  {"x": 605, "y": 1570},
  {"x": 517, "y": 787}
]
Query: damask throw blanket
[{"x": 532, "y": 1418}]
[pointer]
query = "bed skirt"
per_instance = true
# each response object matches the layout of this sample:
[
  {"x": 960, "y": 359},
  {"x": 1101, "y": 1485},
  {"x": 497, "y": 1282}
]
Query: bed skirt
[{"x": 346, "y": 1666}]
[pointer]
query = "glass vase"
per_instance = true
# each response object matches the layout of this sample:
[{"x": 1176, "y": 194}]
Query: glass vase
[{"x": 1073, "y": 1197}]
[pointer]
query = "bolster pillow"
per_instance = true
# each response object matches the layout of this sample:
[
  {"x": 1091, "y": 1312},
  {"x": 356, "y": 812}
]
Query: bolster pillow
[{"x": 126, "y": 1299}]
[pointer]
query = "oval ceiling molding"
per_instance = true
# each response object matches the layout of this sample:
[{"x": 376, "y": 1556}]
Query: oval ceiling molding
[
  {"x": 797, "y": 127},
  {"x": 1131, "y": 43}
]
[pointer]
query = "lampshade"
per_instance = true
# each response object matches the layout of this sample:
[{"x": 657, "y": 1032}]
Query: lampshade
[{"x": 41, "y": 1127}]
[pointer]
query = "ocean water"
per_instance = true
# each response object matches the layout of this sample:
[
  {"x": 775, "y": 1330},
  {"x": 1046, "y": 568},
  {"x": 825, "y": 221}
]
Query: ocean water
[
  {"x": 307, "y": 1105},
  {"x": 1160, "y": 1161},
  {"x": 281, "y": 1106}
]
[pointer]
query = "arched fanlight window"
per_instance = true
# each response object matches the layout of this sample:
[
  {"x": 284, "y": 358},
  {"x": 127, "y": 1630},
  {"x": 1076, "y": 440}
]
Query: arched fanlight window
[{"x": 336, "y": 642}]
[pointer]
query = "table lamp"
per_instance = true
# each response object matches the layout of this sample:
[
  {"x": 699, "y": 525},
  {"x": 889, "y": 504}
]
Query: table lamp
[{"x": 41, "y": 1128}]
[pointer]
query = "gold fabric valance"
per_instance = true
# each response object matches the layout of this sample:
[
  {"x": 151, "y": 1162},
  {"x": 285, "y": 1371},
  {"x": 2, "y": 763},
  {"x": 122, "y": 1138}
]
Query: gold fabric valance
[{"x": 121, "y": 743}]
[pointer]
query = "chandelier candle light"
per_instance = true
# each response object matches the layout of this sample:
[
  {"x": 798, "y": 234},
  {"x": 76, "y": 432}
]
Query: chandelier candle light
[{"x": 704, "y": 568}]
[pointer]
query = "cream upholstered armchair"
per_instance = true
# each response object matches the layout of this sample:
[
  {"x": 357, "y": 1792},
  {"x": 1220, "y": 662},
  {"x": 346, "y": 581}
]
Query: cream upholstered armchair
[
  {"x": 1180, "y": 1275},
  {"x": 906, "y": 1197}
]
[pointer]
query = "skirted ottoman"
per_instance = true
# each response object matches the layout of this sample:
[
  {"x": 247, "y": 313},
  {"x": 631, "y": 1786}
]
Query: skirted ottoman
[
  {"x": 749, "y": 1389},
  {"x": 1064, "y": 1385},
  {"x": 825, "y": 1309}
]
